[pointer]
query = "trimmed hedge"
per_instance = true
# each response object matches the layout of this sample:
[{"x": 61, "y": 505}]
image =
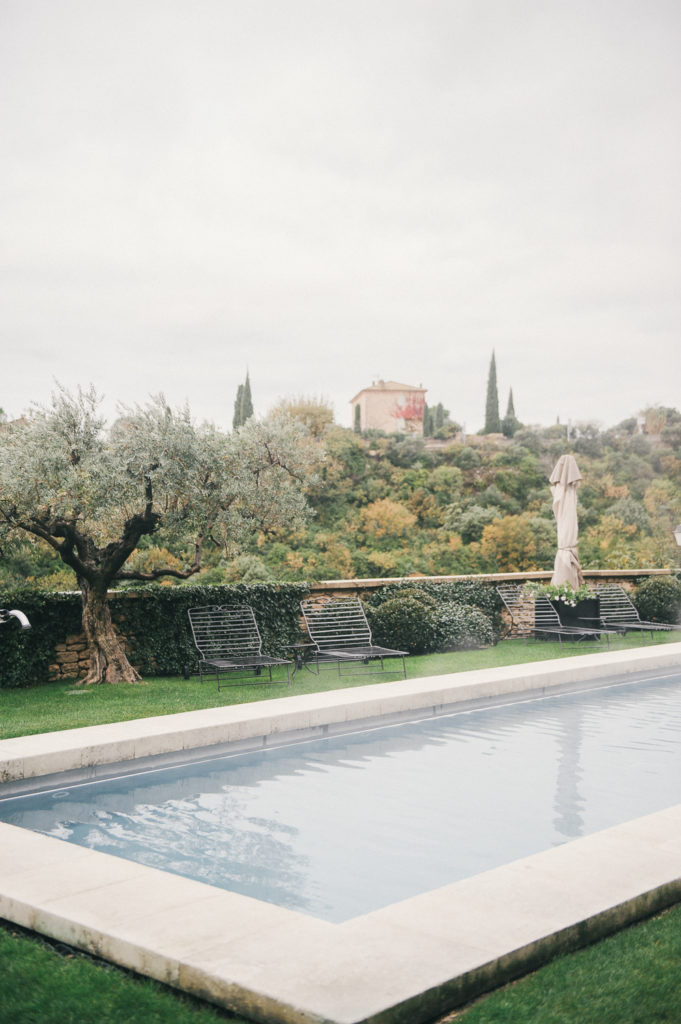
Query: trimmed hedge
[
  {"x": 153, "y": 620},
  {"x": 658, "y": 599},
  {"x": 26, "y": 654},
  {"x": 425, "y": 617},
  {"x": 461, "y": 592},
  {"x": 407, "y": 621},
  {"x": 462, "y": 625}
]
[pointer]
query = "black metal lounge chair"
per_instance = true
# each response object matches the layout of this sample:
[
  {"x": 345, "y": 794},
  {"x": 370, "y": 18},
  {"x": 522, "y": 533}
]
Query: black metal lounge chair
[
  {"x": 340, "y": 633},
  {"x": 533, "y": 615},
  {"x": 228, "y": 641},
  {"x": 618, "y": 610}
]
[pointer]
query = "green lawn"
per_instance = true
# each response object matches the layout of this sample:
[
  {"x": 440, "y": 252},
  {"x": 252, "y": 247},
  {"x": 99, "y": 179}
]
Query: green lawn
[
  {"x": 633, "y": 977},
  {"x": 42, "y": 983},
  {"x": 55, "y": 706}
]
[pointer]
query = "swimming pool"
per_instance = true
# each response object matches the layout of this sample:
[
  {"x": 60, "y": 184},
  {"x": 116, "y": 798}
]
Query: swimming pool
[
  {"x": 411, "y": 960},
  {"x": 346, "y": 825}
]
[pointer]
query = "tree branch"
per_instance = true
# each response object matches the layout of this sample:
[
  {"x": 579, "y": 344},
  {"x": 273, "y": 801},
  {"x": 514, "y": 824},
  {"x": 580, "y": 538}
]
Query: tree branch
[{"x": 72, "y": 549}]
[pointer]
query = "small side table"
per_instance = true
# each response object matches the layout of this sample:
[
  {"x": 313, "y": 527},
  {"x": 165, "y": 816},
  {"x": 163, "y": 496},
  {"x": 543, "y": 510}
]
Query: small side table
[{"x": 298, "y": 652}]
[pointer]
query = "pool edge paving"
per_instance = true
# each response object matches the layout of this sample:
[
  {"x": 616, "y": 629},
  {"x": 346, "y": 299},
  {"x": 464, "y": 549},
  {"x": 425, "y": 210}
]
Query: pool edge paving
[{"x": 410, "y": 961}]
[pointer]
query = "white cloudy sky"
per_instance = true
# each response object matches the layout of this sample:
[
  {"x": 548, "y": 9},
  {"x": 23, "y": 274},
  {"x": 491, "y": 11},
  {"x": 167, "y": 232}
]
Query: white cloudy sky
[{"x": 332, "y": 191}]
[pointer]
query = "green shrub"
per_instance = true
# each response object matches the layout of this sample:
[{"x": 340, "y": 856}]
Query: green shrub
[
  {"x": 462, "y": 625},
  {"x": 477, "y": 593},
  {"x": 400, "y": 590},
  {"x": 412, "y": 619},
  {"x": 658, "y": 599},
  {"x": 407, "y": 621}
]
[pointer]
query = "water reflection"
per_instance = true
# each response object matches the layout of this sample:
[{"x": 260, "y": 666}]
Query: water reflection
[
  {"x": 186, "y": 821},
  {"x": 569, "y": 802}
]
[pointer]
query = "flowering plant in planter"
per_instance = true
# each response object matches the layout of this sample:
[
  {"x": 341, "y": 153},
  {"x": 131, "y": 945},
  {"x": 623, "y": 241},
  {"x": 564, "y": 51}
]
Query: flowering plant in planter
[{"x": 562, "y": 592}]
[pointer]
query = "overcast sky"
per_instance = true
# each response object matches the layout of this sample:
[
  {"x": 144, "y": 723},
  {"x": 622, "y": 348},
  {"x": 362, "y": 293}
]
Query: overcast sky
[{"x": 329, "y": 192}]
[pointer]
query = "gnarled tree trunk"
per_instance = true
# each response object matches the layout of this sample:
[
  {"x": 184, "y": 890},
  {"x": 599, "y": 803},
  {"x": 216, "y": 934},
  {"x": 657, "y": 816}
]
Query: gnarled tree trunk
[{"x": 108, "y": 661}]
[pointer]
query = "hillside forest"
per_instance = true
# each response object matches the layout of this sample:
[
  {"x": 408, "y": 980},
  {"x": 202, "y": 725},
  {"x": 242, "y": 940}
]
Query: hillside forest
[{"x": 394, "y": 505}]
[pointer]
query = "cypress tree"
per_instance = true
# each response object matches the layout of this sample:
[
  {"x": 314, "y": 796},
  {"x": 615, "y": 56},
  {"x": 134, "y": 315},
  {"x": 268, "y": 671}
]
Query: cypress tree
[
  {"x": 243, "y": 404},
  {"x": 510, "y": 422},
  {"x": 246, "y": 401},
  {"x": 358, "y": 419},
  {"x": 238, "y": 401},
  {"x": 492, "y": 421},
  {"x": 510, "y": 410}
]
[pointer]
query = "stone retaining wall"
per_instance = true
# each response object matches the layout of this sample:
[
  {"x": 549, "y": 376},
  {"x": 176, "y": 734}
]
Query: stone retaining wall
[
  {"x": 71, "y": 657},
  {"x": 624, "y": 577},
  {"x": 71, "y": 660}
]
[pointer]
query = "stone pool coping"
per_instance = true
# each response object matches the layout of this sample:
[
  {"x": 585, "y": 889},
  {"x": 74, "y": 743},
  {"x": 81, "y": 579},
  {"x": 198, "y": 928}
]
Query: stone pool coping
[{"x": 407, "y": 962}]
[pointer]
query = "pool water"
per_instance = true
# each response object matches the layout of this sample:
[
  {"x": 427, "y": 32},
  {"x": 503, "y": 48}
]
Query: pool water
[{"x": 339, "y": 827}]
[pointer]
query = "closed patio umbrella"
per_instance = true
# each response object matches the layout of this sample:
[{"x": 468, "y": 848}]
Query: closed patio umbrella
[{"x": 564, "y": 483}]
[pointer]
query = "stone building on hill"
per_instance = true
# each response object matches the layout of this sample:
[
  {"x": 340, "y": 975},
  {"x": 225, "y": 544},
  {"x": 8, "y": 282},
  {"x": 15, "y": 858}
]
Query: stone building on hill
[{"x": 390, "y": 407}]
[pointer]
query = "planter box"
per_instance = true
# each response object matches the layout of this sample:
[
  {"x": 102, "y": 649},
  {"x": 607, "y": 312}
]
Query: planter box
[{"x": 585, "y": 613}]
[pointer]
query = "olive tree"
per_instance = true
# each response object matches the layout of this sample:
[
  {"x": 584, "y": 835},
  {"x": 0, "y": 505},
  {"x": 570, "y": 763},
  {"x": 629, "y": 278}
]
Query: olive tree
[{"x": 93, "y": 493}]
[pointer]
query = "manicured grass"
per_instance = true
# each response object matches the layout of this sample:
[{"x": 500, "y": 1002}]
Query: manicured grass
[
  {"x": 56, "y": 706},
  {"x": 45, "y": 984},
  {"x": 633, "y": 977}
]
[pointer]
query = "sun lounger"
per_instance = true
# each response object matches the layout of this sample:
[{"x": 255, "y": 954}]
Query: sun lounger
[
  {"x": 618, "y": 610},
  {"x": 340, "y": 633},
  {"x": 228, "y": 641}
]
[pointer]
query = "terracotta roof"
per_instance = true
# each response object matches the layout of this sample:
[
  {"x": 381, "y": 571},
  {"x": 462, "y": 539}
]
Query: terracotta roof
[{"x": 389, "y": 385}]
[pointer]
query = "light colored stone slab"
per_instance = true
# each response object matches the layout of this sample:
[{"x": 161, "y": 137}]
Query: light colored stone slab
[{"x": 22, "y": 851}]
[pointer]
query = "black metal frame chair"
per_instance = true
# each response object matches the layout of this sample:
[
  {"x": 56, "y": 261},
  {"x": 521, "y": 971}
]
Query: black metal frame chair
[
  {"x": 533, "y": 616},
  {"x": 228, "y": 641},
  {"x": 340, "y": 634},
  {"x": 619, "y": 611}
]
